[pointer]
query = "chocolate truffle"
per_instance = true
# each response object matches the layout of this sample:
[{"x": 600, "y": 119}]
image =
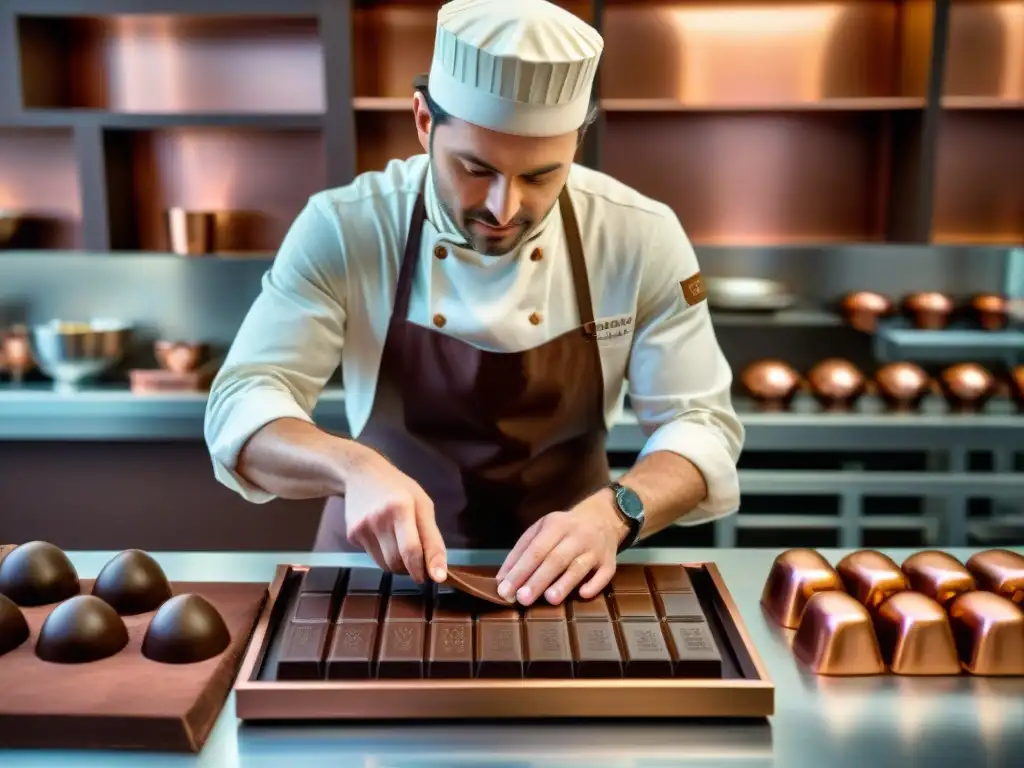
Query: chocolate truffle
[
  {"x": 81, "y": 630},
  {"x": 38, "y": 573},
  {"x": 132, "y": 583},
  {"x": 13, "y": 627},
  {"x": 185, "y": 630}
]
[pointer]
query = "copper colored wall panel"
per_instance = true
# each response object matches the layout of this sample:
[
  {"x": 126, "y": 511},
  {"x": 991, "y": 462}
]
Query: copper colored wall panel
[
  {"x": 979, "y": 180},
  {"x": 757, "y": 178},
  {"x": 719, "y": 53},
  {"x": 986, "y": 50},
  {"x": 38, "y": 178},
  {"x": 385, "y": 136},
  {"x": 264, "y": 178}
]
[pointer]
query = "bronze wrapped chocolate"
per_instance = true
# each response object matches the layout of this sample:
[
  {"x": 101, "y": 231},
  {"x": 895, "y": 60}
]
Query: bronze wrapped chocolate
[
  {"x": 662, "y": 641},
  {"x": 902, "y": 386},
  {"x": 81, "y": 679},
  {"x": 929, "y": 310},
  {"x": 1000, "y": 571},
  {"x": 967, "y": 387},
  {"x": 863, "y": 309},
  {"x": 938, "y": 575},
  {"x": 989, "y": 632},
  {"x": 795, "y": 576},
  {"x": 871, "y": 577},
  {"x": 772, "y": 383},
  {"x": 915, "y": 637},
  {"x": 837, "y": 384},
  {"x": 991, "y": 311},
  {"x": 836, "y": 637}
]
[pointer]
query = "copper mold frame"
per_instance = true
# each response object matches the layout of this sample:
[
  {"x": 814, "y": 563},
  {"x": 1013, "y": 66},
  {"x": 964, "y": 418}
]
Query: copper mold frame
[{"x": 427, "y": 698}]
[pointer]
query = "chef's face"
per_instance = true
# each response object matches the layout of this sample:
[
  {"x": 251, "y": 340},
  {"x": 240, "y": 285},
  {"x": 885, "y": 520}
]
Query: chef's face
[{"x": 494, "y": 186}]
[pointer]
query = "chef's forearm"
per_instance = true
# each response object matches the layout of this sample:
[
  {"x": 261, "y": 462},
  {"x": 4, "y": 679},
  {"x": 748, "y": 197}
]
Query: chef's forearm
[
  {"x": 294, "y": 459},
  {"x": 669, "y": 485}
]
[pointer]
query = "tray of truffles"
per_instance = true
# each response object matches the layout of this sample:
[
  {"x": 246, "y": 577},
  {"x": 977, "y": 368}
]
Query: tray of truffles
[
  {"x": 932, "y": 615},
  {"x": 128, "y": 660},
  {"x": 359, "y": 643}
]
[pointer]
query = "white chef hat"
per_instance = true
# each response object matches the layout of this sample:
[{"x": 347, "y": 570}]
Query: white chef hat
[{"x": 524, "y": 67}]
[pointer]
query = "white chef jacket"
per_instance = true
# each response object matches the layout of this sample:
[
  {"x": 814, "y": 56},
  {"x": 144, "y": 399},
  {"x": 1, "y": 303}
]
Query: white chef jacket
[{"x": 328, "y": 296}]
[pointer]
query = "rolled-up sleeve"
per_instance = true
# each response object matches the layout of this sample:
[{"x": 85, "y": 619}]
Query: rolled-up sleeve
[
  {"x": 288, "y": 345},
  {"x": 679, "y": 378}
]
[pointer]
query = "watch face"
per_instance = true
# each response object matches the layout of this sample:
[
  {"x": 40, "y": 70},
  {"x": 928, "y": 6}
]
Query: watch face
[{"x": 630, "y": 503}]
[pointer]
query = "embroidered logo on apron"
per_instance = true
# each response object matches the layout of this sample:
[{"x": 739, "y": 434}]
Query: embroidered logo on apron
[
  {"x": 693, "y": 289},
  {"x": 609, "y": 329}
]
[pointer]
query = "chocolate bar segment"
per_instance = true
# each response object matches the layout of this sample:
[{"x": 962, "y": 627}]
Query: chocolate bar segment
[
  {"x": 596, "y": 649},
  {"x": 401, "y": 584},
  {"x": 406, "y": 608},
  {"x": 352, "y": 649},
  {"x": 365, "y": 580},
  {"x": 644, "y": 649},
  {"x": 595, "y": 609},
  {"x": 359, "y": 607},
  {"x": 871, "y": 577},
  {"x": 313, "y": 607},
  {"x": 499, "y": 649},
  {"x": 498, "y": 614},
  {"x": 546, "y": 612},
  {"x": 401, "y": 649},
  {"x": 450, "y": 653},
  {"x": 451, "y": 607},
  {"x": 548, "y": 653},
  {"x": 670, "y": 578},
  {"x": 679, "y": 605},
  {"x": 693, "y": 649},
  {"x": 635, "y": 606},
  {"x": 320, "y": 580},
  {"x": 302, "y": 651},
  {"x": 629, "y": 578}
]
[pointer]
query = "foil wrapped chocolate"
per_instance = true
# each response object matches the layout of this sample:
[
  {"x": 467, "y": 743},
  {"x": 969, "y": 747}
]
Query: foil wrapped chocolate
[
  {"x": 836, "y": 384},
  {"x": 771, "y": 383}
]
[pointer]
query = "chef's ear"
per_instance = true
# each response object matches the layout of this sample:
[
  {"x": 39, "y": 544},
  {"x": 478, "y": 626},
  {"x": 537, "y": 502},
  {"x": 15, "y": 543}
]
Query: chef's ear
[{"x": 423, "y": 118}]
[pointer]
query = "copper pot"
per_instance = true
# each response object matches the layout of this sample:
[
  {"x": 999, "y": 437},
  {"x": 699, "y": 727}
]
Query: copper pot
[
  {"x": 967, "y": 386},
  {"x": 836, "y": 383},
  {"x": 929, "y": 310},
  {"x": 772, "y": 383},
  {"x": 16, "y": 352},
  {"x": 991, "y": 311},
  {"x": 179, "y": 356},
  {"x": 902, "y": 386},
  {"x": 863, "y": 309}
]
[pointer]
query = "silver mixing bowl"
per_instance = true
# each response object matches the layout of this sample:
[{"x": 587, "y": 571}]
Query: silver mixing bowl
[{"x": 73, "y": 352}]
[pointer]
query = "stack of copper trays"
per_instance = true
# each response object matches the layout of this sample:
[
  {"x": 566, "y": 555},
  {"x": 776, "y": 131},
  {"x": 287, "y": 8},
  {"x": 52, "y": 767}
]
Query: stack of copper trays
[
  {"x": 932, "y": 615},
  {"x": 356, "y": 643}
]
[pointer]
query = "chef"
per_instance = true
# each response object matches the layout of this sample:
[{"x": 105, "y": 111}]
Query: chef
[{"x": 486, "y": 301}]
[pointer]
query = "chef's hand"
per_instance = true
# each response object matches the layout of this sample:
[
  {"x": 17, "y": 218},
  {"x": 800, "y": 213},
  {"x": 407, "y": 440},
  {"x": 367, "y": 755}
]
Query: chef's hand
[
  {"x": 391, "y": 517},
  {"x": 561, "y": 550}
]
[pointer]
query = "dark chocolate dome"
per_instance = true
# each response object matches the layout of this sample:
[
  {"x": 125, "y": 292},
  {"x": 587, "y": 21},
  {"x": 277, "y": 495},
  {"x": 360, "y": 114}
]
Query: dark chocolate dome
[
  {"x": 132, "y": 582},
  {"x": 13, "y": 627},
  {"x": 38, "y": 573},
  {"x": 81, "y": 630},
  {"x": 186, "y": 629}
]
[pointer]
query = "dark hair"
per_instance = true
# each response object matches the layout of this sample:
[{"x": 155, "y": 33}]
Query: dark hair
[{"x": 438, "y": 116}]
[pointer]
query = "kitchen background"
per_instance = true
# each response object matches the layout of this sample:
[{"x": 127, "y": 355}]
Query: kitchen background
[{"x": 851, "y": 173}]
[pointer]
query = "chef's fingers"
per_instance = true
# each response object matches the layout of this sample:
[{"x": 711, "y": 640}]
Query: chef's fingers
[
  {"x": 518, "y": 549},
  {"x": 578, "y": 570},
  {"x": 382, "y": 525},
  {"x": 369, "y": 545},
  {"x": 598, "y": 581},
  {"x": 435, "y": 554},
  {"x": 561, "y": 557},
  {"x": 407, "y": 540},
  {"x": 549, "y": 534}
]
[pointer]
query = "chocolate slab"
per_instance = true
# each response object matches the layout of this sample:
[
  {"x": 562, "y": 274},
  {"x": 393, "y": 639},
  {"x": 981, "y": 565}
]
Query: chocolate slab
[
  {"x": 125, "y": 701},
  {"x": 679, "y": 605},
  {"x": 595, "y": 609},
  {"x": 670, "y": 578},
  {"x": 450, "y": 653},
  {"x": 321, "y": 579},
  {"x": 402, "y": 649},
  {"x": 630, "y": 578},
  {"x": 548, "y": 653},
  {"x": 352, "y": 651},
  {"x": 644, "y": 650},
  {"x": 360, "y": 607},
  {"x": 693, "y": 649},
  {"x": 595, "y": 648},
  {"x": 315, "y": 607},
  {"x": 302, "y": 651},
  {"x": 635, "y": 606},
  {"x": 477, "y": 585},
  {"x": 499, "y": 649}
]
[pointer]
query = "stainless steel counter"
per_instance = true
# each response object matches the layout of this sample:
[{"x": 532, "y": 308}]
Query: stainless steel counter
[{"x": 884, "y": 721}]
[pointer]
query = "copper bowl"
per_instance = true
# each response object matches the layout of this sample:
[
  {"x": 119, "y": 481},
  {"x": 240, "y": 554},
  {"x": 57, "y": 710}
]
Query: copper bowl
[
  {"x": 179, "y": 356},
  {"x": 772, "y": 383},
  {"x": 991, "y": 310},
  {"x": 836, "y": 383},
  {"x": 862, "y": 309},
  {"x": 902, "y": 386},
  {"x": 1016, "y": 384},
  {"x": 967, "y": 386},
  {"x": 929, "y": 310}
]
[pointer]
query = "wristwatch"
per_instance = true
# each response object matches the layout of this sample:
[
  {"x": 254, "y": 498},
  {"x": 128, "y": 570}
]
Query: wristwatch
[{"x": 632, "y": 510}]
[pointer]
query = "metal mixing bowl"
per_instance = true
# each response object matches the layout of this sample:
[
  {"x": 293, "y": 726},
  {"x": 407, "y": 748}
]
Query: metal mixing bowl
[
  {"x": 748, "y": 293},
  {"x": 72, "y": 352}
]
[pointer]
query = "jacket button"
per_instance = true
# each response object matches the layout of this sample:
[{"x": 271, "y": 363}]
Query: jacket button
[
  {"x": 535, "y": 318},
  {"x": 440, "y": 252},
  {"x": 537, "y": 255},
  {"x": 439, "y": 320}
]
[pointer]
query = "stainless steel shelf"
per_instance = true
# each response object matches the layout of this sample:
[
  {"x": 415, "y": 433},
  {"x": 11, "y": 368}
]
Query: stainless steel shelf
[{"x": 950, "y": 345}]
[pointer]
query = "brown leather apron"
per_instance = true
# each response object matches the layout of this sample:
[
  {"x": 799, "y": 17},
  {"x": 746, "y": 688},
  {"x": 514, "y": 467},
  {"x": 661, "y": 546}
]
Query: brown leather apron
[{"x": 497, "y": 440}]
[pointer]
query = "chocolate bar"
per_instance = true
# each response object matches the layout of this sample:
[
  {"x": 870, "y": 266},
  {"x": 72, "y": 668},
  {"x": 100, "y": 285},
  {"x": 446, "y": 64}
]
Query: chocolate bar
[
  {"x": 595, "y": 648},
  {"x": 320, "y": 579},
  {"x": 451, "y": 648},
  {"x": 499, "y": 649}
]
